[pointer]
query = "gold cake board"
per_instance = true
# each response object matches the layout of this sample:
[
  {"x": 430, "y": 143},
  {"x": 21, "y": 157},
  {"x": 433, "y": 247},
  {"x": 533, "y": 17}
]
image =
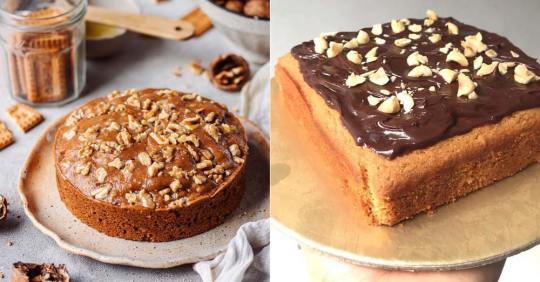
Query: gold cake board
[{"x": 317, "y": 210}]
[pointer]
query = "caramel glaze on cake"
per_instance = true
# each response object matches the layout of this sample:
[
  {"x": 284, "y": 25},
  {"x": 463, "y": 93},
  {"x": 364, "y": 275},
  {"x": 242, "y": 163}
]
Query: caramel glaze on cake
[
  {"x": 419, "y": 112},
  {"x": 151, "y": 165}
]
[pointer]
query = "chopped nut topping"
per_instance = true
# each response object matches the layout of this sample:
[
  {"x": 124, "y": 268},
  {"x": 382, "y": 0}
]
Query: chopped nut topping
[
  {"x": 420, "y": 71},
  {"x": 146, "y": 199},
  {"x": 491, "y": 53},
  {"x": 175, "y": 185},
  {"x": 144, "y": 159},
  {"x": 523, "y": 75},
  {"x": 101, "y": 193},
  {"x": 372, "y": 53},
  {"x": 379, "y": 77},
  {"x": 83, "y": 169},
  {"x": 452, "y": 28},
  {"x": 196, "y": 68},
  {"x": 448, "y": 75},
  {"x": 204, "y": 164},
  {"x": 402, "y": 42},
  {"x": 514, "y": 54},
  {"x": 353, "y": 43},
  {"x": 154, "y": 168},
  {"x": 466, "y": 85},
  {"x": 385, "y": 92},
  {"x": 415, "y": 28},
  {"x": 390, "y": 105},
  {"x": 434, "y": 38},
  {"x": 235, "y": 150},
  {"x": 354, "y": 57},
  {"x": 406, "y": 100},
  {"x": 503, "y": 67},
  {"x": 199, "y": 179},
  {"x": 116, "y": 163},
  {"x": 134, "y": 101},
  {"x": 432, "y": 88},
  {"x": 362, "y": 37},
  {"x": 474, "y": 44},
  {"x": 397, "y": 26},
  {"x": 68, "y": 135},
  {"x": 213, "y": 131},
  {"x": 477, "y": 63},
  {"x": 354, "y": 80},
  {"x": 101, "y": 173},
  {"x": 432, "y": 15},
  {"x": 446, "y": 48},
  {"x": 379, "y": 41},
  {"x": 334, "y": 49},
  {"x": 238, "y": 160},
  {"x": 414, "y": 36},
  {"x": 416, "y": 58},
  {"x": 487, "y": 69},
  {"x": 373, "y": 101},
  {"x": 320, "y": 45},
  {"x": 456, "y": 56},
  {"x": 377, "y": 29}
]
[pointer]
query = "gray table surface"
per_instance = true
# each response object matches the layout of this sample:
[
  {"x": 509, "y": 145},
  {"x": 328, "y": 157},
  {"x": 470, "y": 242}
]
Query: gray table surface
[
  {"x": 301, "y": 20},
  {"x": 147, "y": 63}
]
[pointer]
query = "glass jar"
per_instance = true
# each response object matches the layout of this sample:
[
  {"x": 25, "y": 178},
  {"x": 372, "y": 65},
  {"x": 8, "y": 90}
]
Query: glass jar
[{"x": 44, "y": 60}]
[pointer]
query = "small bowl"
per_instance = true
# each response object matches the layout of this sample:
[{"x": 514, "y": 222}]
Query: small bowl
[
  {"x": 251, "y": 36},
  {"x": 108, "y": 40}
]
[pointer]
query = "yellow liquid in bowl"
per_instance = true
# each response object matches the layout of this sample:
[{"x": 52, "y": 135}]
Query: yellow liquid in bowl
[{"x": 100, "y": 31}]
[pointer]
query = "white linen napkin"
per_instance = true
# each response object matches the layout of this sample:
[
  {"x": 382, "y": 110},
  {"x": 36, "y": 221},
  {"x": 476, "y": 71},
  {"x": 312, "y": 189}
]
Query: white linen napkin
[{"x": 247, "y": 257}]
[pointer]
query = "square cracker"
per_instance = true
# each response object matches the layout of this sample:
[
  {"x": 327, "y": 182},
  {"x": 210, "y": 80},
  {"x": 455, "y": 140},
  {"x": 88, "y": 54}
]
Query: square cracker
[
  {"x": 24, "y": 116},
  {"x": 6, "y": 138}
]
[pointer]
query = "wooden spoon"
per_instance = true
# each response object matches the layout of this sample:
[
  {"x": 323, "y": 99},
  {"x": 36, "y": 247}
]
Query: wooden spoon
[{"x": 149, "y": 25}]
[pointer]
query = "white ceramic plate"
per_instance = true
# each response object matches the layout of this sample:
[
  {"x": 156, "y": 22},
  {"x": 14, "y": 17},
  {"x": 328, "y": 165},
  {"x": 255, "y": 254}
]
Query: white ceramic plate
[{"x": 42, "y": 204}]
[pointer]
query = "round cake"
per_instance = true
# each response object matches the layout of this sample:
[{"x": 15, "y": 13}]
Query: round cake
[{"x": 151, "y": 165}]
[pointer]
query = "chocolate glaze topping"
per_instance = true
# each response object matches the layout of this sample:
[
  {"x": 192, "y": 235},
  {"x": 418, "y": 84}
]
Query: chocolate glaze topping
[{"x": 436, "y": 115}]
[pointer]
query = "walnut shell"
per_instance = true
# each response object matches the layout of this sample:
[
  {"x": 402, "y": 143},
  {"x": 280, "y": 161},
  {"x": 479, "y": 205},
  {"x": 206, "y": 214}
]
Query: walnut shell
[
  {"x": 3, "y": 208},
  {"x": 257, "y": 8},
  {"x": 229, "y": 72},
  {"x": 23, "y": 272}
]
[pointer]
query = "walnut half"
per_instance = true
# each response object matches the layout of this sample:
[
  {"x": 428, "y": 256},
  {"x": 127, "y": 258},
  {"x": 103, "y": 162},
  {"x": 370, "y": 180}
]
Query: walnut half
[{"x": 229, "y": 72}]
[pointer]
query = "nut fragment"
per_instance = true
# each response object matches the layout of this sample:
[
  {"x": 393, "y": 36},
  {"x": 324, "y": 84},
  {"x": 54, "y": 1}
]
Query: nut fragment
[
  {"x": 415, "y": 28},
  {"x": 446, "y": 48},
  {"x": 101, "y": 193},
  {"x": 503, "y": 67},
  {"x": 377, "y": 29},
  {"x": 466, "y": 85},
  {"x": 514, "y": 54},
  {"x": 353, "y": 43},
  {"x": 416, "y": 58},
  {"x": 486, "y": 69},
  {"x": 379, "y": 77},
  {"x": 434, "y": 38},
  {"x": 448, "y": 75},
  {"x": 379, "y": 41},
  {"x": 477, "y": 63},
  {"x": 523, "y": 75},
  {"x": 390, "y": 105},
  {"x": 406, "y": 100},
  {"x": 362, "y": 37},
  {"x": 372, "y": 53},
  {"x": 474, "y": 43},
  {"x": 432, "y": 15},
  {"x": 491, "y": 53},
  {"x": 39, "y": 272},
  {"x": 144, "y": 158},
  {"x": 101, "y": 173},
  {"x": 420, "y": 71},
  {"x": 414, "y": 36},
  {"x": 373, "y": 101},
  {"x": 354, "y": 80},
  {"x": 334, "y": 49},
  {"x": 402, "y": 42},
  {"x": 456, "y": 56},
  {"x": 354, "y": 57},
  {"x": 320, "y": 45},
  {"x": 397, "y": 26},
  {"x": 229, "y": 72},
  {"x": 3, "y": 208},
  {"x": 116, "y": 163},
  {"x": 452, "y": 28}
]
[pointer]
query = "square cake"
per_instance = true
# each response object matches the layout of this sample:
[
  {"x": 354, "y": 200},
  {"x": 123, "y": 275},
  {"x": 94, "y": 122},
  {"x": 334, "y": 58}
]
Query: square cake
[{"x": 419, "y": 112}]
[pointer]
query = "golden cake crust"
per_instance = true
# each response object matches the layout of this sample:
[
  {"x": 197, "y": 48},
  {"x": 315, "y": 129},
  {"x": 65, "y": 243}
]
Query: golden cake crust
[
  {"x": 152, "y": 164},
  {"x": 399, "y": 188}
]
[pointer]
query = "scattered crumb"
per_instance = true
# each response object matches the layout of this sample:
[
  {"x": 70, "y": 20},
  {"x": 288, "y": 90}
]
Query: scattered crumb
[
  {"x": 177, "y": 72},
  {"x": 9, "y": 243},
  {"x": 2, "y": 275},
  {"x": 196, "y": 68},
  {"x": 159, "y": 1}
]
